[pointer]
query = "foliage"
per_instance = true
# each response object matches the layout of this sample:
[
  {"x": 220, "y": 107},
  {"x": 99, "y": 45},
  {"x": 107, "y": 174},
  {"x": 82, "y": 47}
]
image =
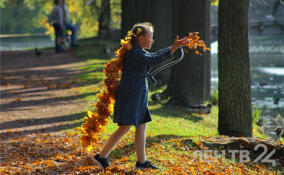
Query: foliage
[
  {"x": 16, "y": 18},
  {"x": 115, "y": 6},
  {"x": 80, "y": 14},
  {"x": 34, "y": 14},
  {"x": 215, "y": 2},
  {"x": 214, "y": 97},
  {"x": 256, "y": 114},
  {"x": 2, "y": 3}
]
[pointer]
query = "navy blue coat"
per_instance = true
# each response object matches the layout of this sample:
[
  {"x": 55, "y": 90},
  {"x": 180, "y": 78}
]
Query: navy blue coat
[{"x": 131, "y": 105}]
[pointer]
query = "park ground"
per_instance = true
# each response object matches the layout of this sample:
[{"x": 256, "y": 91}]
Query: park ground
[{"x": 45, "y": 98}]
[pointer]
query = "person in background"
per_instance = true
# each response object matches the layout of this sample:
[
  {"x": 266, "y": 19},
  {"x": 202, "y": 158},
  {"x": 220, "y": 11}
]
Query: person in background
[
  {"x": 68, "y": 25},
  {"x": 56, "y": 21}
]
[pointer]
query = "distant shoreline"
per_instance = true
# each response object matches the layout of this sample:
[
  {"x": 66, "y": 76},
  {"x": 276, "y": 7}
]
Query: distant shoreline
[{"x": 22, "y": 35}]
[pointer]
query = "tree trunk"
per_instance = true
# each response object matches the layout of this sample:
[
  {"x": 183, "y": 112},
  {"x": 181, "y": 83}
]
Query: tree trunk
[
  {"x": 235, "y": 115},
  {"x": 190, "y": 80},
  {"x": 104, "y": 18},
  {"x": 159, "y": 13}
]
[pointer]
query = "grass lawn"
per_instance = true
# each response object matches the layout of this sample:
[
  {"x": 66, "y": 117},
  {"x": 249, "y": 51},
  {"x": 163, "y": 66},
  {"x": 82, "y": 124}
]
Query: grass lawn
[{"x": 172, "y": 136}]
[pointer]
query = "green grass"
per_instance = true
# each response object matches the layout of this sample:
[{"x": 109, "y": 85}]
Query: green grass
[{"x": 168, "y": 122}]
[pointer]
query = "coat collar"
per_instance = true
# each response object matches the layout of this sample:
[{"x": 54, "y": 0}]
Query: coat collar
[{"x": 137, "y": 46}]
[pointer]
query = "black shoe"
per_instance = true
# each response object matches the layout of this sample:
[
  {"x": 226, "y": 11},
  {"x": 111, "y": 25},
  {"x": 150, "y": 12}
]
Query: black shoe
[
  {"x": 146, "y": 164},
  {"x": 101, "y": 162}
]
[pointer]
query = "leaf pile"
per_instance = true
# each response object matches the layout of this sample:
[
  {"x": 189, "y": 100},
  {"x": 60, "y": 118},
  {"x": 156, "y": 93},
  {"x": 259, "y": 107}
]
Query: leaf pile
[{"x": 61, "y": 154}]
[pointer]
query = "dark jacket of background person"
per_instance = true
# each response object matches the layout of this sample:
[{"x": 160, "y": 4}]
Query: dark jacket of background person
[{"x": 57, "y": 16}]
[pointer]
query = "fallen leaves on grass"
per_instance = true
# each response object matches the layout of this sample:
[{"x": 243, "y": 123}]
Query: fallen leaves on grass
[{"x": 61, "y": 154}]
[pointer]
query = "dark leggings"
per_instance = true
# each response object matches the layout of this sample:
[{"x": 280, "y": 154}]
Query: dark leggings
[{"x": 58, "y": 34}]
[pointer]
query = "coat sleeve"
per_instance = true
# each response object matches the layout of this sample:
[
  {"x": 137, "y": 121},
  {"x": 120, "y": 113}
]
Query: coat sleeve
[{"x": 152, "y": 58}]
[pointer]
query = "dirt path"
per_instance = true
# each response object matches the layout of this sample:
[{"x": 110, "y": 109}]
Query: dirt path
[{"x": 39, "y": 93}]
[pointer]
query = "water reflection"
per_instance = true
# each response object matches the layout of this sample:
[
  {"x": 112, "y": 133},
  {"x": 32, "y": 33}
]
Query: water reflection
[
  {"x": 260, "y": 44},
  {"x": 20, "y": 43},
  {"x": 267, "y": 78},
  {"x": 273, "y": 70}
]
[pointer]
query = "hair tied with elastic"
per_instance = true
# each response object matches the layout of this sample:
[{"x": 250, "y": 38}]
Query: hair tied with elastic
[{"x": 139, "y": 30}]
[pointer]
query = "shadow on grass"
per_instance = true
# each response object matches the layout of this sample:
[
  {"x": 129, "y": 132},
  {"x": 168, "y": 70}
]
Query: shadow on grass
[
  {"x": 173, "y": 111},
  {"x": 17, "y": 105},
  {"x": 42, "y": 121},
  {"x": 96, "y": 47},
  {"x": 26, "y": 69},
  {"x": 6, "y": 136}
]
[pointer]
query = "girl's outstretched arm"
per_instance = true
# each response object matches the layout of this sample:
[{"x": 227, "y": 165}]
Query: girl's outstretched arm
[
  {"x": 178, "y": 42},
  {"x": 152, "y": 58},
  {"x": 161, "y": 55}
]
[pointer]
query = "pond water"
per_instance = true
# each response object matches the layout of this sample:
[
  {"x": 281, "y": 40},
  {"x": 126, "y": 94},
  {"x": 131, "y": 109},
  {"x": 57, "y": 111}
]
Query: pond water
[
  {"x": 267, "y": 78},
  {"x": 22, "y": 43}
]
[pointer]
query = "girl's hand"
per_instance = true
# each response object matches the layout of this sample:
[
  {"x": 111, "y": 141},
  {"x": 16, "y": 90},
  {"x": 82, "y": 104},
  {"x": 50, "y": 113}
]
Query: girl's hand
[{"x": 178, "y": 42}]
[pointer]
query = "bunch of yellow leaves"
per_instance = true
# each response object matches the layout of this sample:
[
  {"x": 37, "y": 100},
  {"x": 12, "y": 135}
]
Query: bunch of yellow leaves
[
  {"x": 196, "y": 44},
  {"x": 95, "y": 122}
]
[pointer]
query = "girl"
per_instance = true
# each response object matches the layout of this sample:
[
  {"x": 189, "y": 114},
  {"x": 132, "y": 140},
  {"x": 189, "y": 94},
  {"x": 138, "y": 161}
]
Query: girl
[{"x": 131, "y": 105}]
